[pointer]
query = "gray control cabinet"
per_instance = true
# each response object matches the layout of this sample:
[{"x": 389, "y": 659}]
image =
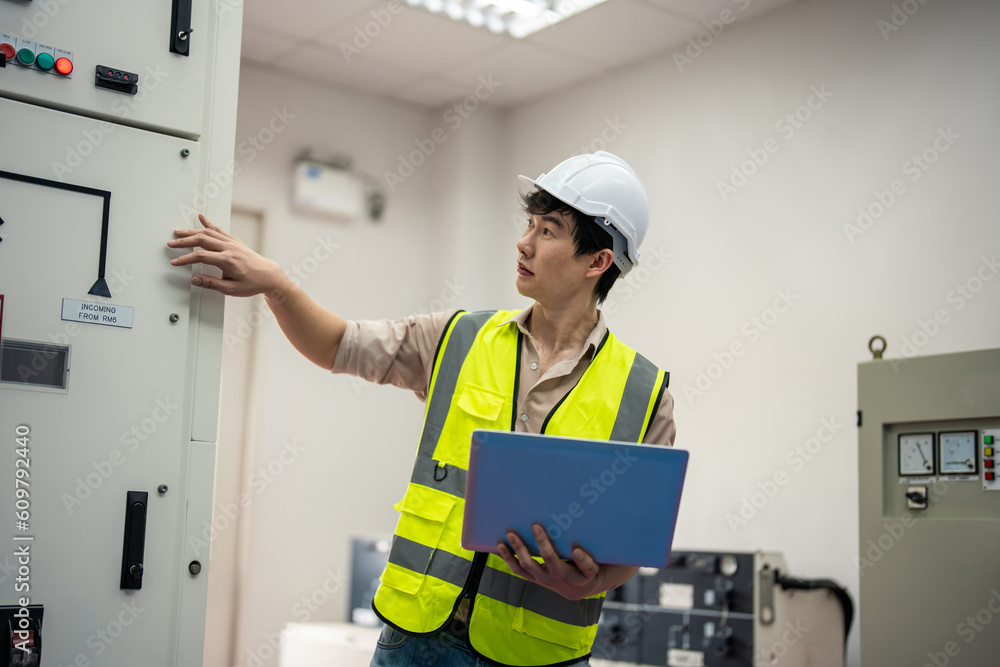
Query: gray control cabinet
[
  {"x": 117, "y": 124},
  {"x": 929, "y": 503}
]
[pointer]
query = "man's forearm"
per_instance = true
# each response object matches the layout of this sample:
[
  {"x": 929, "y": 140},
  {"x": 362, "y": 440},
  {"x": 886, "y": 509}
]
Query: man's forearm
[{"x": 313, "y": 330}]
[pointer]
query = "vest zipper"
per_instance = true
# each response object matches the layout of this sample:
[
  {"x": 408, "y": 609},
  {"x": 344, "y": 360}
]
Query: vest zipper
[{"x": 472, "y": 584}]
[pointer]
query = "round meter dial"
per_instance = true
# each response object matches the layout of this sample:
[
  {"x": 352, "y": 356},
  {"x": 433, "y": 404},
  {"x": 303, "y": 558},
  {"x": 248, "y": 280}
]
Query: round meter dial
[
  {"x": 916, "y": 454},
  {"x": 959, "y": 453}
]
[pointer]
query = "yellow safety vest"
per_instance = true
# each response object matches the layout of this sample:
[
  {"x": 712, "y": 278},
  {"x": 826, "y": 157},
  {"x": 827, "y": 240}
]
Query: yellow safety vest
[{"x": 474, "y": 385}]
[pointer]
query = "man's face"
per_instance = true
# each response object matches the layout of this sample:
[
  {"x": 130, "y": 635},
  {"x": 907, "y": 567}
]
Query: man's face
[{"x": 547, "y": 271}]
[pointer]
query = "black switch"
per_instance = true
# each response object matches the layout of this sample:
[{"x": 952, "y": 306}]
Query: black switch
[{"x": 117, "y": 79}]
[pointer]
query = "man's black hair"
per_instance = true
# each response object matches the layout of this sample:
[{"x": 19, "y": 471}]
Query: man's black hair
[{"x": 588, "y": 235}]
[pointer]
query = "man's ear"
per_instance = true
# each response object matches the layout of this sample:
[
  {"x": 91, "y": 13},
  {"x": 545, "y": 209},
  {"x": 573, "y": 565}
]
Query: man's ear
[{"x": 601, "y": 261}]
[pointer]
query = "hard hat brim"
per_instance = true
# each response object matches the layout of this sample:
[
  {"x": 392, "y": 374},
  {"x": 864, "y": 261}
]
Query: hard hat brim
[{"x": 529, "y": 182}]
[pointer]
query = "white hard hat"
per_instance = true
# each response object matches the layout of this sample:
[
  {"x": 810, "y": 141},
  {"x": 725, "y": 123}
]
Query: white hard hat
[{"x": 604, "y": 186}]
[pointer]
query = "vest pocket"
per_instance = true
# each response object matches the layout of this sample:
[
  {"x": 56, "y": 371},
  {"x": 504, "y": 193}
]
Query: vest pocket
[
  {"x": 472, "y": 407},
  {"x": 423, "y": 515},
  {"x": 537, "y": 626},
  {"x": 481, "y": 403}
]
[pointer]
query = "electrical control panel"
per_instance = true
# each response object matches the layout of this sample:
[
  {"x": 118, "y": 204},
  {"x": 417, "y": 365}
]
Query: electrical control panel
[
  {"x": 53, "y": 50},
  {"x": 715, "y": 609},
  {"x": 109, "y": 359},
  {"x": 929, "y": 514}
]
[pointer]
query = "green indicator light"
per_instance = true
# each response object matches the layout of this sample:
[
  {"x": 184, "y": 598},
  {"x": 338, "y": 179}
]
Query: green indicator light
[
  {"x": 26, "y": 56},
  {"x": 45, "y": 61},
  {"x": 988, "y": 439}
]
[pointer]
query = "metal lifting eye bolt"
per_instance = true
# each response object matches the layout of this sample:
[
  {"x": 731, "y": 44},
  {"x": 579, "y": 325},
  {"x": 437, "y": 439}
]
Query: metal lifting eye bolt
[{"x": 877, "y": 352}]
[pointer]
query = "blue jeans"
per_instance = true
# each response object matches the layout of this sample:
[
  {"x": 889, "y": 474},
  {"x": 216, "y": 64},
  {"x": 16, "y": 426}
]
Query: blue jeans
[{"x": 394, "y": 649}]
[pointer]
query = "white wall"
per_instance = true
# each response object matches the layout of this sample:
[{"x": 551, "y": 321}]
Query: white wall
[
  {"x": 353, "y": 442},
  {"x": 711, "y": 266},
  {"x": 783, "y": 230}
]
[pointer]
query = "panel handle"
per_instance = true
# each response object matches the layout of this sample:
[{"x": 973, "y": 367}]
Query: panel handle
[
  {"x": 180, "y": 27},
  {"x": 135, "y": 539}
]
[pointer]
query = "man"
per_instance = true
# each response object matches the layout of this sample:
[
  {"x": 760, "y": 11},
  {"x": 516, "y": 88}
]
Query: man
[{"x": 551, "y": 368}]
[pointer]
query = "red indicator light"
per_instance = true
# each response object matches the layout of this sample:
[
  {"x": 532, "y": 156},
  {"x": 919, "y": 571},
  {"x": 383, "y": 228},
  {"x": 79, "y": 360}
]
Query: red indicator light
[
  {"x": 64, "y": 66},
  {"x": 989, "y": 477},
  {"x": 988, "y": 463},
  {"x": 8, "y": 50}
]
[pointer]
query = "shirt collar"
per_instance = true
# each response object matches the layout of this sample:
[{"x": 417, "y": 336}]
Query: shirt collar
[{"x": 590, "y": 345}]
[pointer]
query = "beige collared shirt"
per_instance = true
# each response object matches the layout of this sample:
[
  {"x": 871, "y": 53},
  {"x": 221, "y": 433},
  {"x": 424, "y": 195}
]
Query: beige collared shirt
[{"x": 401, "y": 353}]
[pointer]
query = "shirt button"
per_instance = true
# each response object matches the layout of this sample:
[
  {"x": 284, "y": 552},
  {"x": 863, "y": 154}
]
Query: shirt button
[
  {"x": 534, "y": 366},
  {"x": 524, "y": 418}
]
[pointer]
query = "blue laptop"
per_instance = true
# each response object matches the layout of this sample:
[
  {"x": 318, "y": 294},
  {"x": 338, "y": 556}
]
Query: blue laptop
[{"x": 617, "y": 500}]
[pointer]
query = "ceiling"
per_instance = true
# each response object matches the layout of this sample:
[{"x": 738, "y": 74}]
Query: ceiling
[{"x": 409, "y": 55}]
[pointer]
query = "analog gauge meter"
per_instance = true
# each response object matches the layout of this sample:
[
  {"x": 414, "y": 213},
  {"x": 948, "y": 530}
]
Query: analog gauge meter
[
  {"x": 916, "y": 454},
  {"x": 958, "y": 453}
]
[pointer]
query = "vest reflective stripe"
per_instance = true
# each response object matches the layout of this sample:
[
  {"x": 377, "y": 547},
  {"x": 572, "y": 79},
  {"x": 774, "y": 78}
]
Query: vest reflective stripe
[
  {"x": 629, "y": 424},
  {"x": 448, "y": 478},
  {"x": 434, "y": 562},
  {"x": 456, "y": 343},
  {"x": 507, "y": 588},
  {"x": 474, "y": 385}
]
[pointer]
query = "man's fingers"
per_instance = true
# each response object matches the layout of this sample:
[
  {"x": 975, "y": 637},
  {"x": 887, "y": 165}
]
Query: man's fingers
[
  {"x": 198, "y": 238},
  {"x": 512, "y": 563},
  {"x": 585, "y": 563},
  {"x": 201, "y": 257},
  {"x": 207, "y": 223},
  {"x": 524, "y": 558},
  {"x": 545, "y": 547},
  {"x": 214, "y": 284},
  {"x": 553, "y": 561}
]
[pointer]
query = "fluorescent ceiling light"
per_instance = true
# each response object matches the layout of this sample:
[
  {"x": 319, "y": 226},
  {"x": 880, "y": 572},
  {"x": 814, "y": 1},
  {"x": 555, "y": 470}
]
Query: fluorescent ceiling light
[{"x": 519, "y": 18}]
